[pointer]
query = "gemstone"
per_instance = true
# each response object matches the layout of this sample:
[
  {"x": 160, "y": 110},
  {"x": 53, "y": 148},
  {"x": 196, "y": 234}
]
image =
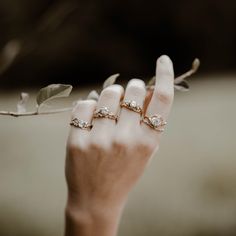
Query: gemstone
[
  {"x": 133, "y": 104},
  {"x": 81, "y": 123},
  {"x": 155, "y": 121},
  {"x": 104, "y": 111}
]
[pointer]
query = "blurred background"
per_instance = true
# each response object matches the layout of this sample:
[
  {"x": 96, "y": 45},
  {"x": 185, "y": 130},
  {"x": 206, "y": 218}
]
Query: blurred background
[{"x": 190, "y": 187}]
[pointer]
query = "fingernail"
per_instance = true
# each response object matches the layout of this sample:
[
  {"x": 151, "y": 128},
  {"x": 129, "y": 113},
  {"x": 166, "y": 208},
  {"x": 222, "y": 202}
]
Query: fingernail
[
  {"x": 164, "y": 65},
  {"x": 164, "y": 59}
]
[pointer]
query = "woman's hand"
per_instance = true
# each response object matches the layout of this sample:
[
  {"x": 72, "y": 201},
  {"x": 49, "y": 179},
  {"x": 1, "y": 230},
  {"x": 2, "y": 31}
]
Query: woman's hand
[{"x": 104, "y": 163}]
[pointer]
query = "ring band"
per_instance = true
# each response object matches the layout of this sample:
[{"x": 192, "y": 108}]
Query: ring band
[
  {"x": 104, "y": 112},
  {"x": 78, "y": 123},
  {"x": 132, "y": 105},
  {"x": 156, "y": 122}
]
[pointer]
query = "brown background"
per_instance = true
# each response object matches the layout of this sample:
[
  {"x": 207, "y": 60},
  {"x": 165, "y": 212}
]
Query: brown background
[
  {"x": 189, "y": 189},
  {"x": 79, "y": 42}
]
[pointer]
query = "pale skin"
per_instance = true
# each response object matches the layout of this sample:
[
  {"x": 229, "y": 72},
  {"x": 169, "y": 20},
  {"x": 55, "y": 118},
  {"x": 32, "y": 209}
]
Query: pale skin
[{"x": 104, "y": 163}]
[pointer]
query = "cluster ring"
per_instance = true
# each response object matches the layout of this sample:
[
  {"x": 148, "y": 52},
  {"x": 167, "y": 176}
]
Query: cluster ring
[
  {"x": 78, "y": 123},
  {"x": 132, "y": 105},
  {"x": 156, "y": 122},
  {"x": 104, "y": 112}
]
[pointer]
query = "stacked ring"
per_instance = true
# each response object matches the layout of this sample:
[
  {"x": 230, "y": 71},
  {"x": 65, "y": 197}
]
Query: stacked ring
[
  {"x": 132, "y": 105},
  {"x": 104, "y": 112},
  {"x": 156, "y": 122},
  {"x": 78, "y": 123}
]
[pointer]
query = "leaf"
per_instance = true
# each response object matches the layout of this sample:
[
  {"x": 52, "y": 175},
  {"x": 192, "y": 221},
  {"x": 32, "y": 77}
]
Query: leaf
[
  {"x": 152, "y": 81},
  {"x": 195, "y": 65},
  {"x": 182, "y": 86},
  {"x": 93, "y": 95},
  {"x": 53, "y": 91},
  {"x": 21, "y": 105},
  {"x": 110, "y": 80}
]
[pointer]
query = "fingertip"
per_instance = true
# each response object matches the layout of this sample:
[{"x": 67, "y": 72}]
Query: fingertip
[
  {"x": 164, "y": 59},
  {"x": 136, "y": 87},
  {"x": 164, "y": 66},
  {"x": 136, "y": 82},
  {"x": 116, "y": 88}
]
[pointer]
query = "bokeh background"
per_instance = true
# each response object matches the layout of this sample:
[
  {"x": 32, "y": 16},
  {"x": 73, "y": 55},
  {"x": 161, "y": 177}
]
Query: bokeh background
[{"x": 190, "y": 187}]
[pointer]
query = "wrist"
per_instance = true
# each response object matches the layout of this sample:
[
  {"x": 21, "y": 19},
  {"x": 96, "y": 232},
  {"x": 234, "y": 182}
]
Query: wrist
[
  {"x": 95, "y": 205},
  {"x": 91, "y": 221},
  {"x": 93, "y": 209}
]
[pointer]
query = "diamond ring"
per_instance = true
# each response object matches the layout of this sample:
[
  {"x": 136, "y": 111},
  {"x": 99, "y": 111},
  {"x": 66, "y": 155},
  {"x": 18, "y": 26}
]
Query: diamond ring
[
  {"x": 132, "y": 105},
  {"x": 156, "y": 122},
  {"x": 78, "y": 123},
  {"x": 104, "y": 112}
]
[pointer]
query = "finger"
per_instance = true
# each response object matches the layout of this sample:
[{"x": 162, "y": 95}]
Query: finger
[
  {"x": 163, "y": 93},
  {"x": 147, "y": 100},
  {"x": 82, "y": 111},
  {"x": 135, "y": 91},
  {"x": 110, "y": 98}
]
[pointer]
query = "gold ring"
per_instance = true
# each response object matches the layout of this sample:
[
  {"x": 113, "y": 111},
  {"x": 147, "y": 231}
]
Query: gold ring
[
  {"x": 104, "y": 112},
  {"x": 132, "y": 105},
  {"x": 156, "y": 122},
  {"x": 78, "y": 123}
]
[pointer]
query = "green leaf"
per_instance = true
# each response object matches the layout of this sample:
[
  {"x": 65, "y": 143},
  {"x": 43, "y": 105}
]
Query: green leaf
[
  {"x": 110, "y": 80},
  {"x": 21, "y": 105},
  {"x": 182, "y": 86},
  {"x": 93, "y": 95},
  {"x": 151, "y": 81},
  {"x": 53, "y": 91},
  {"x": 196, "y": 64}
]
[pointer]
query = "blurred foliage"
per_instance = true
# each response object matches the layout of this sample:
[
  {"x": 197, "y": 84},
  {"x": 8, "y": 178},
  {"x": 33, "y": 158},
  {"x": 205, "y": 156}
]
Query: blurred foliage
[{"x": 77, "y": 42}]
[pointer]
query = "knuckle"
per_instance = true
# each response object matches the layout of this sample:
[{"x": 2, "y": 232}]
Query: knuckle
[
  {"x": 164, "y": 96},
  {"x": 99, "y": 143},
  {"x": 152, "y": 146},
  {"x": 95, "y": 145},
  {"x": 145, "y": 149},
  {"x": 121, "y": 140},
  {"x": 72, "y": 148},
  {"x": 148, "y": 144},
  {"x": 118, "y": 142},
  {"x": 137, "y": 82},
  {"x": 76, "y": 144}
]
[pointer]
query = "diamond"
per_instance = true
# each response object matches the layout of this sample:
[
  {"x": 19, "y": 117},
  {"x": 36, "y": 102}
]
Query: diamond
[
  {"x": 156, "y": 121},
  {"x": 104, "y": 111},
  {"x": 133, "y": 104},
  {"x": 82, "y": 124}
]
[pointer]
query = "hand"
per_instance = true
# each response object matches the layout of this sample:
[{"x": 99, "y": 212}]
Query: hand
[{"x": 104, "y": 163}]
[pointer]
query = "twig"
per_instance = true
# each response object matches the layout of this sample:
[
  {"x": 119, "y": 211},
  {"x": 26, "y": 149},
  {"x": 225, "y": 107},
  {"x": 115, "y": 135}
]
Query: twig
[
  {"x": 33, "y": 113},
  {"x": 195, "y": 66}
]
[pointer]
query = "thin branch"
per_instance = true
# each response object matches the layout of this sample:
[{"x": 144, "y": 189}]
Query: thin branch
[
  {"x": 33, "y": 113},
  {"x": 150, "y": 86},
  {"x": 195, "y": 66},
  {"x": 55, "y": 111}
]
